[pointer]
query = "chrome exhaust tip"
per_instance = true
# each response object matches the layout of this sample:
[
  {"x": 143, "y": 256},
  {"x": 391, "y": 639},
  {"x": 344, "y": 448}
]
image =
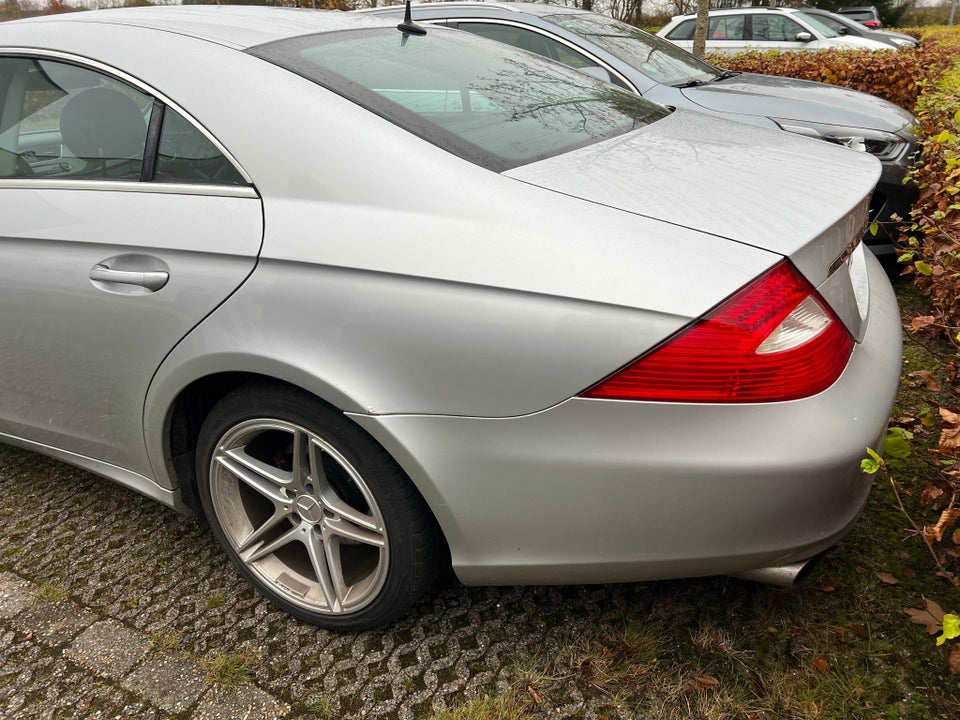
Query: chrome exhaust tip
[{"x": 782, "y": 576}]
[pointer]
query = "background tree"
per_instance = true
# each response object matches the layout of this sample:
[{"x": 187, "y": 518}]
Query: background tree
[
  {"x": 700, "y": 32},
  {"x": 10, "y": 10}
]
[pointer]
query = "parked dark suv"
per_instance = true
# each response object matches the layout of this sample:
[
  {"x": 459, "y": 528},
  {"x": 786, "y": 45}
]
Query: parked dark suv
[{"x": 866, "y": 14}]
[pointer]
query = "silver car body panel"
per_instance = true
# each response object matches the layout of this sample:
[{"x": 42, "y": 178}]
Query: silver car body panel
[
  {"x": 678, "y": 150},
  {"x": 590, "y": 490},
  {"x": 771, "y": 95},
  {"x": 77, "y": 357}
]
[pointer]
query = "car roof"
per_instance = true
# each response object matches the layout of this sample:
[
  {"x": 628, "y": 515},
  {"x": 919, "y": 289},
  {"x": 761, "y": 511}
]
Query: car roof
[
  {"x": 740, "y": 10},
  {"x": 235, "y": 26},
  {"x": 538, "y": 9}
]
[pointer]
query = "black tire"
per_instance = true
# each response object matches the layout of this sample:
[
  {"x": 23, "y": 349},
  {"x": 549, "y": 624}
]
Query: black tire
[{"x": 306, "y": 535}]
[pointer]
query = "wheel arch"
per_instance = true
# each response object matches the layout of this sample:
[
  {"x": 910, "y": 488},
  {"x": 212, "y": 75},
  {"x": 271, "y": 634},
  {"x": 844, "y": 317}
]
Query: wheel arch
[{"x": 172, "y": 428}]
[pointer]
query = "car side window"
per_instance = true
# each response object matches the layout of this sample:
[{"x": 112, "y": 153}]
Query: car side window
[
  {"x": 529, "y": 40},
  {"x": 536, "y": 43},
  {"x": 727, "y": 27},
  {"x": 775, "y": 27},
  {"x": 683, "y": 31},
  {"x": 186, "y": 155},
  {"x": 60, "y": 120}
]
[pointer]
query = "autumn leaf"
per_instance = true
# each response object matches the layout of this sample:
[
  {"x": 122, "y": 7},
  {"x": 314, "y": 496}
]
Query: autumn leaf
[
  {"x": 926, "y": 377},
  {"x": 951, "y": 628},
  {"x": 922, "y": 321},
  {"x": 947, "y": 518},
  {"x": 821, "y": 666},
  {"x": 930, "y": 616},
  {"x": 700, "y": 684},
  {"x": 887, "y": 578},
  {"x": 954, "y": 660},
  {"x": 950, "y": 434},
  {"x": 929, "y": 494},
  {"x": 826, "y": 585},
  {"x": 858, "y": 629}
]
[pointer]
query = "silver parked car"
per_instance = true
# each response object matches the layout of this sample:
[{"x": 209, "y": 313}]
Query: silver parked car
[
  {"x": 662, "y": 72},
  {"x": 375, "y": 299},
  {"x": 845, "y": 25}
]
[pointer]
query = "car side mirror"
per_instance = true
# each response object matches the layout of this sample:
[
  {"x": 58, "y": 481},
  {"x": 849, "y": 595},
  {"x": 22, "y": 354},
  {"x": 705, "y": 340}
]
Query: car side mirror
[
  {"x": 597, "y": 72},
  {"x": 804, "y": 37}
]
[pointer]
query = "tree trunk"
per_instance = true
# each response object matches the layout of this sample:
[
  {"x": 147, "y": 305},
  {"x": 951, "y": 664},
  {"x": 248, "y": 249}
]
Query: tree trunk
[{"x": 700, "y": 33}]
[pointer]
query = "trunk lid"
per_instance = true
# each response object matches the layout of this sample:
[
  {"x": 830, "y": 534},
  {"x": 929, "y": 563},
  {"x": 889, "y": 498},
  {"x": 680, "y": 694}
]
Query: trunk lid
[{"x": 802, "y": 198}]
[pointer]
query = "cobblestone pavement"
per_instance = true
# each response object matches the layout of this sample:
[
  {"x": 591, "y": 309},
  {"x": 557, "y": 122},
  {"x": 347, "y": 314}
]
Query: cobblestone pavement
[{"x": 114, "y": 606}]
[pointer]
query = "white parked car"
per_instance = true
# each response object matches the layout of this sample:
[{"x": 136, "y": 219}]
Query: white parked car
[{"x": 761, "y": 28}]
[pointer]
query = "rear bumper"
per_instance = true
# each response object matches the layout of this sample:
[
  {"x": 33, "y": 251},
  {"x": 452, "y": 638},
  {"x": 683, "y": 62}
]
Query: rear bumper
[{"x": 609, "y": 491}]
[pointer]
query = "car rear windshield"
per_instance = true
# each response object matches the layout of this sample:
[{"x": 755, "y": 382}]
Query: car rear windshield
[
  {"x": 484, "y": 101},
  {"x": 653, "y": 56}
]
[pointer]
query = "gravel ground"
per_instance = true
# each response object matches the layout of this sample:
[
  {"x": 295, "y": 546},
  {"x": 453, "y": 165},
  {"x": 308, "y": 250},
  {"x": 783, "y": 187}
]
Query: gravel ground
[{"x": 114, "y": 606}]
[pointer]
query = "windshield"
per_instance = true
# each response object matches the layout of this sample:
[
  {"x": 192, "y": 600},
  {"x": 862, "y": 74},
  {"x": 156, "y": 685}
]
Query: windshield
[
  {"x": 486, "y": 102},
  {"x": 830, "y": 22},
  {"x": 657, "y": 58},
  {"x": 818, "y": 24}
]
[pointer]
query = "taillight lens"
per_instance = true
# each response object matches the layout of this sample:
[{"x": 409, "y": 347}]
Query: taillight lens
[{"x": 773, "y": 340}]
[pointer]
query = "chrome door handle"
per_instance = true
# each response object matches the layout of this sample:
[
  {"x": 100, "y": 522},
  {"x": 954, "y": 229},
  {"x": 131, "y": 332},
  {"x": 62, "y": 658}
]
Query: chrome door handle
[{"x": 151, "y": 280}]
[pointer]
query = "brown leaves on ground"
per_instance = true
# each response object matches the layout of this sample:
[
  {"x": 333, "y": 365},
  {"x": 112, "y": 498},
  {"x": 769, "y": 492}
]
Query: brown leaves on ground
[
  {"x": 700, "y": 684},
  {"x": 821, "y": 666},
  {"x": 935, "y": 533},
  {"x": 950, "y": 433},
  {"x": 922, "y": 321},
  {"x": 887, "y": 578},
  {"x": 926, "y": 378},
  {"x": 930, "y": 615},
  {"x": 954, "y": 660}
]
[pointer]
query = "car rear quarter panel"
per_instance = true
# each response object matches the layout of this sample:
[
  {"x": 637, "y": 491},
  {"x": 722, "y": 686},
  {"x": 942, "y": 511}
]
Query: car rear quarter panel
[{"x": 604, "y": 491}]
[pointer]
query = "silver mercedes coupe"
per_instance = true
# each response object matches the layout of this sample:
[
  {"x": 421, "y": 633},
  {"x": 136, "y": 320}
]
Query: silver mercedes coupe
[{"x": 376, "y": 299}]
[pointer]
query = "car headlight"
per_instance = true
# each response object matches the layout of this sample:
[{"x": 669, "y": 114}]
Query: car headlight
[
  {"x": 903, "y": 42},
  {"x": 880, "y": 144}
]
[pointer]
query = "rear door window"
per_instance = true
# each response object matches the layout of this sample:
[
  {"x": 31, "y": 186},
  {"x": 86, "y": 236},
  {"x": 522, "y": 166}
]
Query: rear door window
[{"x": 59, "y": 120}]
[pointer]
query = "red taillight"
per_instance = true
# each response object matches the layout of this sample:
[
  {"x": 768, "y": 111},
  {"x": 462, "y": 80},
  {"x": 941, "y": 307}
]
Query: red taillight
[{"x": 773, "y": 340}]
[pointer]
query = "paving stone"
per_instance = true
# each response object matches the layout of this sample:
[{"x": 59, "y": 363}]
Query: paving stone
[
  {"x": 15, "y": 595},
  {"x": 171, "y": 681},
  {"x": 55, "y": 622},
  {"x": 109, "y": 648},
  {"x": 246, "y": 702}
]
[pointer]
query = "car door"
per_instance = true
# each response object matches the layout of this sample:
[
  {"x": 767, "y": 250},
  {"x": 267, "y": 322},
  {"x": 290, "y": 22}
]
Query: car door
[
  {"x": 725, "y": 33},
  {"x": 122, "y": 225}
]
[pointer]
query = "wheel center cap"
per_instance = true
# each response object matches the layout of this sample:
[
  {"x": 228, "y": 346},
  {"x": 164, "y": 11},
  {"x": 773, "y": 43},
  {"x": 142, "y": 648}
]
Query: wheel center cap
[{"x": 309, "y": 509}]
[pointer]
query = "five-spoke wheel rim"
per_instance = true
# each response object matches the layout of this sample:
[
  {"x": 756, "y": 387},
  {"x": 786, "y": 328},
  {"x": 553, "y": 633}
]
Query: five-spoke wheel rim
[{"x": 299, "y": 516}]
